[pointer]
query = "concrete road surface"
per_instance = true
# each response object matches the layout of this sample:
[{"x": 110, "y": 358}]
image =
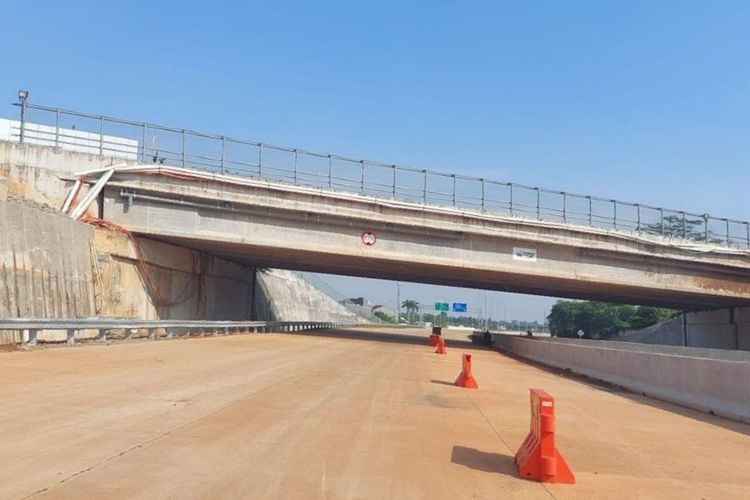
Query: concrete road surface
[{"x": 334, "y": 415}]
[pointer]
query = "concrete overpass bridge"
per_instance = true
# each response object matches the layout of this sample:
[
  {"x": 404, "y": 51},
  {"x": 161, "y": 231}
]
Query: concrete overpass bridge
[
  {"x": 293, "y": 227},
  {"x": 289, "y": 208}
]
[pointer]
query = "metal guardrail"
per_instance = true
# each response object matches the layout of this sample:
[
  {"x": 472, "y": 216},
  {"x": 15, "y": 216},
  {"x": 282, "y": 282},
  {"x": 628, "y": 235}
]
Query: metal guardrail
[
  {"x": 217, "y": 153},
  {"x": 153, "y": 329}
]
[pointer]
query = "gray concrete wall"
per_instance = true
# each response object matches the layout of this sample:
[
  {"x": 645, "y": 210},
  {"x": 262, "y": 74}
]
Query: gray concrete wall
[
  {"x": 742, "y": 318},
  {"x": 669, "y": 332},
  {"x": 712, "y": 385},
  {"x": 716, "y": 329},
  {"x": 44, "y": 174},
  {"x": 712, "y": 329},
  {"x": 197, "y": 285},
  {"x": 45, "y": 265},
  {"x": 284, "y": 295}
]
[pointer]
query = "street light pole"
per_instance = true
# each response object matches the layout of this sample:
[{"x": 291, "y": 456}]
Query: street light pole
[
  {"x": 398, "y": 302},
  {"x": 23, "y": 95}
]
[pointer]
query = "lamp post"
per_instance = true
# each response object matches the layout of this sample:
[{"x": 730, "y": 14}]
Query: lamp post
[{"x": 22, "y": 96}]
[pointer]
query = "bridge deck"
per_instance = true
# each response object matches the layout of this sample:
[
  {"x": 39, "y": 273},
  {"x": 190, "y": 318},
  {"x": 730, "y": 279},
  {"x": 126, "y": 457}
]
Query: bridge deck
[{"x": 335, "y": 415}]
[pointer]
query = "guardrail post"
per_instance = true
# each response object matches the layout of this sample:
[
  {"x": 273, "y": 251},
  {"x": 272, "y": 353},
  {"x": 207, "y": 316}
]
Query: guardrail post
[
  {"x": 638, "y": 218},
  {"x": 454, "y": 189},
  {"x": 330, "y": 171},
  {"x": 31, "y": 339},
  {"x": 101, "y": 335},
  {"x": 661, "y": 218},
  {"x": 684, "y": 225},
  {"x": 510, "y": 197},
  {"x": 705, "y": 228},
  {"x": 362, "y": 182},
  {"x": 729, "y": 239},
  {"x": 57, "y": 128},
  {"x": 483, "y": 202},
  {"x": 260, "y": 159},
  {"x": 223, "y": 153},
  {"x": 394, "y": 181},
  {"x": 71, "y": 338},
  {"x": 591, "y": 211},
  {"x": 143, "y": 144},
  {"x": 151, "y": 333},
  {"x": 101, "y": 135},
  {"x": 295, "y": 165},
  {"x": 747, "y": 230},
  {"x": 183, "y": 147}
]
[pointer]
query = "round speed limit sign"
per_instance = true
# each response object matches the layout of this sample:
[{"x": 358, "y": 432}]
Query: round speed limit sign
[{"x": 369, "y": 238}]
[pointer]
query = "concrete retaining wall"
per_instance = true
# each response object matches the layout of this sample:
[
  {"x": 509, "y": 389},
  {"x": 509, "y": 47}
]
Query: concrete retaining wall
[
  {"x": 197, "y": 285},
  {"x": 45, "y": 265},
  {"x": 671, "y": 332},
  {"x": 711, "y": 385},
  {"x": 717, "y": 329},
  {"x": 283, "y": 295},
  {"x": 44, "y": 174}
]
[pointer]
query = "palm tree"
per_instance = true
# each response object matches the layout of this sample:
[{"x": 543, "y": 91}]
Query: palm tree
[{"x": 411, "y": 306}]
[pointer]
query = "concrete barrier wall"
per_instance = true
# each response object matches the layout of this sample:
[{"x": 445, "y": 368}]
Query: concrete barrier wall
[{"x": 711, "y": 385}]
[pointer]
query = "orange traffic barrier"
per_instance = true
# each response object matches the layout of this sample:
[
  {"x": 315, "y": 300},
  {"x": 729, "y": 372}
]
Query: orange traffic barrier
[
  {"x": 466, "y": 378},
  {"x": 434, "y": 340},
  {"x": 441, "y": 347},
  {"x": 538, "y": 457}
]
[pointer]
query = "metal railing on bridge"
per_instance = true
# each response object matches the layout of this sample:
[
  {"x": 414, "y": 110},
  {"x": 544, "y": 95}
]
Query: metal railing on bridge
[{"x": 150, "y": 143}]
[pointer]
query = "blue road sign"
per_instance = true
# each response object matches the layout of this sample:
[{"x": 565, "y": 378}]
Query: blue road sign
[{"x": 459, "y": 307}]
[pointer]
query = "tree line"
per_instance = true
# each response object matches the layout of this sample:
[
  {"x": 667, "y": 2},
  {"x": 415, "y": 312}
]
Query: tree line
[{"x": 599, "y": 320}]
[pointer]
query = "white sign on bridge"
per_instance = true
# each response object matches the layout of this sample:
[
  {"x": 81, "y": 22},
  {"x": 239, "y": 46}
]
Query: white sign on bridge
[{"x": 527, "y": 254}]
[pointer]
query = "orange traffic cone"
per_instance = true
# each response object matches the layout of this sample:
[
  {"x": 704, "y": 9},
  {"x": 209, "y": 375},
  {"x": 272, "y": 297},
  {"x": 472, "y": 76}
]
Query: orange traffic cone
[
  {"x": 441, "y": 347},
  {"x": 434, "y": 340},
  {"x": 466, "y": 378}
]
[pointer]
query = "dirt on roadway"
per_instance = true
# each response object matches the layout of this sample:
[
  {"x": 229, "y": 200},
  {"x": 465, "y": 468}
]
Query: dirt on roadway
[{"x": 334, "y": 415}]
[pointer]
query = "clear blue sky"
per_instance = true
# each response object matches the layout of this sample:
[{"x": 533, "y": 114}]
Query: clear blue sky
[{"x": 642, "y": 101}]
